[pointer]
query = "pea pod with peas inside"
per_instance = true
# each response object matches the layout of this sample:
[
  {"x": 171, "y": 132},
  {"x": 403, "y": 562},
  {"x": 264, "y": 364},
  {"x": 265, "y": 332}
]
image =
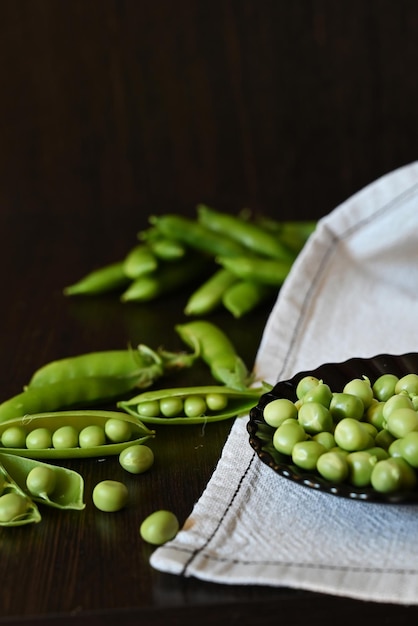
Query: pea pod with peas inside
[
  {"x": 52, "y": 485},
  {"x": 72, "y": 434},
  {"x": 192, "y": 405},
  {"x": 16, "y": 507}
]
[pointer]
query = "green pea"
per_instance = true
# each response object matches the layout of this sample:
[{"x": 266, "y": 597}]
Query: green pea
[
  {"x": 408, "y": 447},
  {"x": 315, "y": 418},
  {"x": 398, "y": 401},
  {"x": 14, "y": 437},
  {"x": 170, "y": 407},
  {"x": 402, "y": 421},
  {"x": 361, "y": 388},
  {"x": 407, "y": 384},
  {"x": 118, "y": 431},
  {"x": 352, "y": 435},
  {"x": 150, "y": 408},
  {"x": 3, "y": 483},
  {"x": 346, "y": 405},
  {"x": 392, "y": 474},
  {"x": 278, "y": 410},
  {"x": 38, "y": 439},
  {"x": 110, "y": 496},
  {"x": 65, "y": 437},
  {"x": 286, "y": 435},
  {"x": 395, "y": 448},
  {"x": 326, "y": 439},
  {"x": 159, "y": 527},
  {"x": 384, "y": 387},
  {"x": 12, "y": 507},
  {"x": 383, "y": 439},
  {"x": 360, "y": 465},
  {"x": 136, "y": 459},
  {"x": 305, "y": 454},
  {"x": 216, "y": 401},
  {"x": 91, "y": 436},
  {"x": 305, "y": 384},
  {"x": 41, "y": 481},
  {"x": 333, "y": 466},
  {"x": 194, "y": 406},
  {"x": 377, "y": 452},
  {"x": 374, "y": 414},
  {"x": 320, "y": 393}
]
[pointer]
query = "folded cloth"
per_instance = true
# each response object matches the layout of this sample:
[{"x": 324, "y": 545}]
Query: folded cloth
[{"x": 352, "y": 292}]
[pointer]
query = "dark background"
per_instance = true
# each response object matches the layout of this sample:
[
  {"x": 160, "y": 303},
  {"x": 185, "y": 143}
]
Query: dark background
[
  {"x": 111, "y": 110},
  {"x": 128, "y": 107}
]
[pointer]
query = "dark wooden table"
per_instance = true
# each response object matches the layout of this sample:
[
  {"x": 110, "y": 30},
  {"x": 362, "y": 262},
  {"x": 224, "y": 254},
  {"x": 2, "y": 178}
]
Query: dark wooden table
[{"x": 115, "y": 109}]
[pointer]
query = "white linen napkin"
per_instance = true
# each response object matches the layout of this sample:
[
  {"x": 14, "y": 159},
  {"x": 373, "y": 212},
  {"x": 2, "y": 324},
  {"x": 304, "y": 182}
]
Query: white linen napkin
[{"x": 352, "y": 292}]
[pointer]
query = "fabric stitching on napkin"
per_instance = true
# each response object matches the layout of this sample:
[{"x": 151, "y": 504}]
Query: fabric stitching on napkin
[{"x": 335, "y": 239}]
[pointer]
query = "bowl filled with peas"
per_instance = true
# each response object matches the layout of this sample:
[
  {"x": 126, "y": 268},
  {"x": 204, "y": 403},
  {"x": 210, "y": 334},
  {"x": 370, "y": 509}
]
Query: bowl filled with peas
[{"x": 349, "y": 429}]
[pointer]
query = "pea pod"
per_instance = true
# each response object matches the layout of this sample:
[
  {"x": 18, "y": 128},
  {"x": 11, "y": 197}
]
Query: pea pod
[
  {"x": 16, "y": 507},
  {"x": 195, "y": 235},
  {"x": 195, "y": 405},
  {"x": 209, "y": 295},
  {"x": 217, "y": 351},
  {"x": 247, "y": 233},
  {"x": 91, "y": 378},
  {"x": 102, "y": 280},
  {"x": 244, "y": 296},
  {"x": 262, "y": 270},
  {"x": 68, "y": 487},
  {"x": 137, "y": 433},
  {"x": 164, "y": 248},
  {"x": 169, "y": 276},
  {"x": 140, "y": 260}
]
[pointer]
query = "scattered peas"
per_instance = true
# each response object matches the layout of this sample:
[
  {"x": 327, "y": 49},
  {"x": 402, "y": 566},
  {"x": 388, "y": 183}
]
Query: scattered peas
[
  {"x": 136, "y": 459},
  {"x": 110, "y": 496},
  {"x": 159, "y": 527}
]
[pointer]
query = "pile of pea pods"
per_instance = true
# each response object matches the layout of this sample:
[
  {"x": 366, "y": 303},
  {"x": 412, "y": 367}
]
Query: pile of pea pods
[{"x": 238, "y": 262}]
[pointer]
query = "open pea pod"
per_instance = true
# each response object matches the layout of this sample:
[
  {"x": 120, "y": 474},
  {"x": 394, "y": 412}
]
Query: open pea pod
[
  {"x": 62, "y": 489},
  {"x": 192, "y": 405},
  {"x": 15, "y": 434},
  {"x": 16, "y": 507}
]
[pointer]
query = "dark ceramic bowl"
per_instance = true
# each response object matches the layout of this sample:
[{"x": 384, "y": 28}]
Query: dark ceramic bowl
[{"x": 336, "y": 375}]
